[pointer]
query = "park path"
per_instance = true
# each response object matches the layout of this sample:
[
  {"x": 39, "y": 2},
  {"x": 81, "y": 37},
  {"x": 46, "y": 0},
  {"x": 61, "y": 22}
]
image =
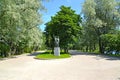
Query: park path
[{"x": 80, "y": 66}]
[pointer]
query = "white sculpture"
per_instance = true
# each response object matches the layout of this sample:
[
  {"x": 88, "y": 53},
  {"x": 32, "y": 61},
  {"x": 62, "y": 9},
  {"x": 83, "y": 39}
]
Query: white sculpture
[
  {"x": 56, "y": 41},
  {"x": 57, "y": 48}
]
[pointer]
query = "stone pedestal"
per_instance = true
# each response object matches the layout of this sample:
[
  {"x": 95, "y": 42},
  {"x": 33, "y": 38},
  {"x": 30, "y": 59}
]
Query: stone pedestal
[{"x": 57, "y": 51}]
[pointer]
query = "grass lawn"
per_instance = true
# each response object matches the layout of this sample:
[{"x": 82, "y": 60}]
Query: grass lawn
[
  {"x": 49, "y": 55},
  {"x": 0, "y": 56}
]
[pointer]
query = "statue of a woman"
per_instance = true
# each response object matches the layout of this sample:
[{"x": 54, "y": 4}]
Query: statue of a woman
[{"x": 56, "y": 41}]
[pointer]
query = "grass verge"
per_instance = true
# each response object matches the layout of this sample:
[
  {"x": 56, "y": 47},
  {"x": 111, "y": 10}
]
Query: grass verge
[
  {"x": 49, "y": 55},
  {"x": 0, "y": 56}
]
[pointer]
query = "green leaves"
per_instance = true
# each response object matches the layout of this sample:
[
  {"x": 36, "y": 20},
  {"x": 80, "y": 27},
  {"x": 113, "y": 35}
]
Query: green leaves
[
  {"x": 65, "y": 25},
  {"x": 112, "y": 42},
  {"x": 19, "y": 21},
  {"x": 101, "y": 17}
]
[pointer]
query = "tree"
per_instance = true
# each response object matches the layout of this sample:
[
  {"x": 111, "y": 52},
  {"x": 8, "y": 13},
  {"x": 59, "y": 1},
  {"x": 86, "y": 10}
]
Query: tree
[
  {"x": 64, "y": 24},
  {"x": 18, "y": 18},
  {"x": 101, "y": 16},
  {"x": 113, "y": 41},
  {"x": 35, "y": 38}
]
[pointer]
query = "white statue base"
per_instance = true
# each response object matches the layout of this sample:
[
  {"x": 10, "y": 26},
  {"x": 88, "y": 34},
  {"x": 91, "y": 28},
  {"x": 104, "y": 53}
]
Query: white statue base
[{"x": 57, "y": 51}]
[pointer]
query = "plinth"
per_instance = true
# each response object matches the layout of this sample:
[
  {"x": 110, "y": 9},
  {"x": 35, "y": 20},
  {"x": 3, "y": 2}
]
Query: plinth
[{"x": 57, "y": 51}]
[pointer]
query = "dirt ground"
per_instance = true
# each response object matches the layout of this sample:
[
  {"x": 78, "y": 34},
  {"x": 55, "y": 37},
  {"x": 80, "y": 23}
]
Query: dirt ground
[{"x": 81, "y": 66}]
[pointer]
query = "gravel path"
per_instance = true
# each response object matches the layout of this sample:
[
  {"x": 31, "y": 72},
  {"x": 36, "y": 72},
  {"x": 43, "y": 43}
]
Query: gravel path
[{"x": 80, "y": 66}]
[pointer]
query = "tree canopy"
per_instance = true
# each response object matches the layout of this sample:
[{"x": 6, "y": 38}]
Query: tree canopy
[
  {"x": 64, "y": 24},
  {"x": 101, "y": 17},
  {"x": 19, "y": 22}
]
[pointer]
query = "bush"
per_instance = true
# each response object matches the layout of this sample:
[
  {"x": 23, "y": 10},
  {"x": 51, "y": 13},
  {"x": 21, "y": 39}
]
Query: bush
[
  {"x": 4, "y": 49},
  {"x": 111, "y": 42}
]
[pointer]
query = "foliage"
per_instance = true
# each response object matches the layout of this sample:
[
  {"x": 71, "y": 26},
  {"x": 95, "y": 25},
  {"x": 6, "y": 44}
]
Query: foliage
[
  {"x": 64, "y": 24},
  {"x": 19, "y": 21},
  {"x": 3, "y": 49},
  {"x": 100, "y": 17},
  {"x": 112, "y": 42}
]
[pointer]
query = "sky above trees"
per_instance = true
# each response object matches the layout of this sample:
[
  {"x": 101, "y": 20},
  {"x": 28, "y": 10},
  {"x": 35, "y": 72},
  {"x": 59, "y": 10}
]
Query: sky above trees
[{"x": 53, "y": 6}]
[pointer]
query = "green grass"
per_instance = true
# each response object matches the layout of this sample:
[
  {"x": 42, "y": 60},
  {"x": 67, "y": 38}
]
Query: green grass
[
  {"x": 49, "y": 55},
  {"x": 0, "y": 56}
]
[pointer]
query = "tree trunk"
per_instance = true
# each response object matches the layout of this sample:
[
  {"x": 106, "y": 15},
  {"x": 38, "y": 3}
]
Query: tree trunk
[
  {"x": 87, "y": 48},
  {"x": 65, "y": 50},
  {"x": 90, "y": 47},
  {"x": 100, "y": 46},
  {"x": 94, "y": 48},
  {"x": 53, "y": 50}
]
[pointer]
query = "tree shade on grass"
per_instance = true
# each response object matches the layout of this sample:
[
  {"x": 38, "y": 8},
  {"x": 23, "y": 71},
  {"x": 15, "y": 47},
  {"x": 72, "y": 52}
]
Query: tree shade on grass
[{"x": 48, "y": 55}]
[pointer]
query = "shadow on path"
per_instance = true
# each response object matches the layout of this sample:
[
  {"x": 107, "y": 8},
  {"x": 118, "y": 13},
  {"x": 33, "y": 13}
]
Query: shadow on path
[
  {"x": 16, "y": 56},
  {"x": 96, "y": 56},
  {"x": 35, "y": 53},
  {"x": 6, "y": 58}
]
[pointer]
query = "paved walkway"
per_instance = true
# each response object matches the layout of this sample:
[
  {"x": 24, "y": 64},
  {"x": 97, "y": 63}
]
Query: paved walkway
[{"x": 79, "y": 67}]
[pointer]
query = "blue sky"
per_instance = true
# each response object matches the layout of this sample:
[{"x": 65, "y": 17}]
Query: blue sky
[{"x": 53, "y": 6}]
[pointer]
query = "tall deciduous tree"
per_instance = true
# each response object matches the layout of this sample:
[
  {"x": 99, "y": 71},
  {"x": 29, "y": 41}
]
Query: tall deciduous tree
[
  {"x": 101, "y": 16},
  {"x": 64, "y": 24},
  {"x": 18, "y": 18}
]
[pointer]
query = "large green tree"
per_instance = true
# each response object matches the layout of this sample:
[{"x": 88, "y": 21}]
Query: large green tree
[
  {"x": 64, "y": 24},
  {"x": 18, "y": 20},
  {"x": 101, "y": 16}
]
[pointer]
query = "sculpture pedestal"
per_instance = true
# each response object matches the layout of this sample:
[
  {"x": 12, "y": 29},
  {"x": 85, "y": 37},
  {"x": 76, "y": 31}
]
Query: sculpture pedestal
[{"x": 57, "y": 51}]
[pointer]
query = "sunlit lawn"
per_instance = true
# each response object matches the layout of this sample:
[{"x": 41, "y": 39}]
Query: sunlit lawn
[{"x": 49, "y": 55}]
